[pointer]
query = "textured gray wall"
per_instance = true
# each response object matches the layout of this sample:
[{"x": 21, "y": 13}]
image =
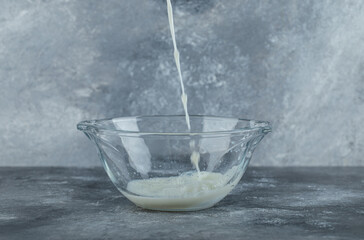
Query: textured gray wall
[{"x": 299, "y": 64}]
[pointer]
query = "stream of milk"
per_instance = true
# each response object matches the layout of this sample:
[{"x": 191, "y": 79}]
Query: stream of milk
[
  {"x": 192, "y": 190},
  {"x": 178, "y": 65},
  {"x": 195, "y": 156}
]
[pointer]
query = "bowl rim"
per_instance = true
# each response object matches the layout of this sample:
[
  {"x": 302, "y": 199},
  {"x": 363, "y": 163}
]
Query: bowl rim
[{"x": 90, "y": 125}]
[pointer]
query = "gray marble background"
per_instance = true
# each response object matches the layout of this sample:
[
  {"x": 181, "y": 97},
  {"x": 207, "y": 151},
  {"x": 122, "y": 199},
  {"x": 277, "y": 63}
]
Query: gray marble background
[{"x": 298, "y": 64}]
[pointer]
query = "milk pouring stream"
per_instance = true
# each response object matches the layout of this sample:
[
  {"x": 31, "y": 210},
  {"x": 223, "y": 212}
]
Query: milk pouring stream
[
  {"x": 195, "y": 156},
  {"x": 191, "y": 190}
]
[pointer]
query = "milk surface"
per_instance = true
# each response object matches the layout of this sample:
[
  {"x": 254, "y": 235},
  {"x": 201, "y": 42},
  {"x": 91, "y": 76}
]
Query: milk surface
[{"x": 189, "y": 191}]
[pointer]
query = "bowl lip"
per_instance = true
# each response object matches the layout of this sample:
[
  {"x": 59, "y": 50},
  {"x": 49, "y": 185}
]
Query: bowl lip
[{"x": 90, "y": 125}]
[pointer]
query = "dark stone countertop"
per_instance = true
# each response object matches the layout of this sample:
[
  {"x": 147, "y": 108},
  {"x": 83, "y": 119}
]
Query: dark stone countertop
[{"x": 269, "y": 203}]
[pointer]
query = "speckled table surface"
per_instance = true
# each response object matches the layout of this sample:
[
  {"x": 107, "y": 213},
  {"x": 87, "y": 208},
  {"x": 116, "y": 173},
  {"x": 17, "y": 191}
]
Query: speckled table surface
[{"x": 268, "y": 203}]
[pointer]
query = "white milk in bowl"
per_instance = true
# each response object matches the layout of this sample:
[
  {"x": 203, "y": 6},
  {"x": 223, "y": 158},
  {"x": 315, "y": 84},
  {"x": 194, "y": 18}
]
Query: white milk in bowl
[{"x": 189, "y": 191}]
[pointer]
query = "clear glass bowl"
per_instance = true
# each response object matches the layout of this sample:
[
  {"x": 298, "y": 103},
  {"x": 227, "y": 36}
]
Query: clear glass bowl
[{"x": 148, "y": 158}]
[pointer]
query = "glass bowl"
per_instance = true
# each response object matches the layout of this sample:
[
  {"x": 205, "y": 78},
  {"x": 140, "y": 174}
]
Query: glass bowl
[{"x": 158, "y": 164}]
